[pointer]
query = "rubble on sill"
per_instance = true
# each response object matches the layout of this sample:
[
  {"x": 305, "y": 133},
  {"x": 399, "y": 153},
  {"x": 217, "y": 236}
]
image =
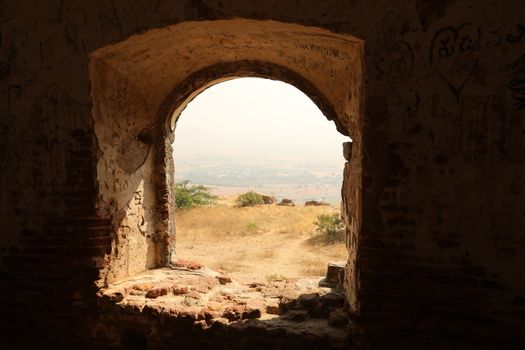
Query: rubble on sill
[{"x": 211, "y": 299}]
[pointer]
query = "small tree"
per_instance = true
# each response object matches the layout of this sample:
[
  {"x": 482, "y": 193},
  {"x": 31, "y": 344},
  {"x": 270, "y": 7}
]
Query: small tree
[
  {"x": 249, "y": 199},
  {"x": 190, "y": 196},
  {"x": 329, "y": 226}
]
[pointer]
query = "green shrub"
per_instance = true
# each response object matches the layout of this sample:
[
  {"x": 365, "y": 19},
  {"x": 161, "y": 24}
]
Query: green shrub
[
  {"x": 252, "y": 227},
  {"x": 276, "y": 277},
  {"x": 329, "y": 226},
  {"x": 190, "y": 196},
  {"x": 249, "y": 199}
]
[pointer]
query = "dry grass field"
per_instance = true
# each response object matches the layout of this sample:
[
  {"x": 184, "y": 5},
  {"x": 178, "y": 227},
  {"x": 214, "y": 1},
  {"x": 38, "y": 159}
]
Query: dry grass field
[{"x": 254, "y": 243}]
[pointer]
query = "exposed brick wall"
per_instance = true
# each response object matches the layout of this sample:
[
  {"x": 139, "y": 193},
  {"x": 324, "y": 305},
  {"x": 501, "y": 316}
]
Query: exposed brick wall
[{"x": 441, "y": 250}]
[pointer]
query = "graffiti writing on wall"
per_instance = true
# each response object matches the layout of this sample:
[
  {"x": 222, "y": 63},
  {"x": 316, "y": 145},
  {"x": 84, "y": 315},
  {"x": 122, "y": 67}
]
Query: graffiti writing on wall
[
  {"x": 453, "y": 52},
  {"x": 397, "y": 60},
  {"x": 517, "y": 85},
  {"x": 394, "y": 55},
  {"x": 516, "y": 81},
  {"x": 324, "y": 50},
  {"x": 138, "y": 197},
  {"x": 450, "y": 41}
]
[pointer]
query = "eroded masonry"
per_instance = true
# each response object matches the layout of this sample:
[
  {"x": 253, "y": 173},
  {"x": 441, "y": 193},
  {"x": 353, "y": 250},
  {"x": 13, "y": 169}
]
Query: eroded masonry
[
  {"x": 135, "y": 168},
  {"x": 431, "y": 93}
]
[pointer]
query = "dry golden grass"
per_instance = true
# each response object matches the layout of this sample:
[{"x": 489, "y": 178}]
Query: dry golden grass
[{"x": 256, "y": 242}]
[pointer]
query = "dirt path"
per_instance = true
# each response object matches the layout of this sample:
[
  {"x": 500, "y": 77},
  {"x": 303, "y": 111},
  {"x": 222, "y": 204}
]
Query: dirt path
[
  {"x": 266, "y": 242},
  {"x": 286, "y": 254},
  {"x": 266, "y": 256}
]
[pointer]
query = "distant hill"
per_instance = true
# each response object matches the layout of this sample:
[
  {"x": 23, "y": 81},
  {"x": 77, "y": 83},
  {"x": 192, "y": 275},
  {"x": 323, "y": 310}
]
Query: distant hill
[{"x": 289, "y": 178}]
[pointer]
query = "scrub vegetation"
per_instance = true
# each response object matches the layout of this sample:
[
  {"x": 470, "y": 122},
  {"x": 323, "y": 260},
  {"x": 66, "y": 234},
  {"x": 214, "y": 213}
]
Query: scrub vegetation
[{"x": 263, "y": 241}]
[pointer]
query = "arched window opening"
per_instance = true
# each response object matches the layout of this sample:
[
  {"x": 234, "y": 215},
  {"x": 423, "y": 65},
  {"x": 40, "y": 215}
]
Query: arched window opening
[
  {"x": 258, "y": 172},
  {"x": 138, "y": 89}
]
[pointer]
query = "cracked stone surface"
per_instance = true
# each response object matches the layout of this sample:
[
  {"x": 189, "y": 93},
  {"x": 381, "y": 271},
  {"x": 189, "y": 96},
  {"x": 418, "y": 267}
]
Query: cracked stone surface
[{"x": 209, "y": 298}]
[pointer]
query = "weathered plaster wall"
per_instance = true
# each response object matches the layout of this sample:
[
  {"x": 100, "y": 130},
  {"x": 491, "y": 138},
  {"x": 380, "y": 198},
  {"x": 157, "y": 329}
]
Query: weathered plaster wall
[
  {"x": 125, "y": 173},
  {"x": 139, "y": 87},
  {"x": 442, "y": 247}
]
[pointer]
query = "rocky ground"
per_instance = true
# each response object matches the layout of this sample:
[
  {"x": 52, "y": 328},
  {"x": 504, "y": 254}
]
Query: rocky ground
[{"x": 209, "y": 298}]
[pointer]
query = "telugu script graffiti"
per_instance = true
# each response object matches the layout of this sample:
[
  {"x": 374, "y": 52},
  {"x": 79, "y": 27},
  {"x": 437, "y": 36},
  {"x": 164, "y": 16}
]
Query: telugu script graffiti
[
  {"x": 516, "y": 82},
  {"x": 517, "y": 86},
  {"x": 453, "y": 53},
  {"x": 451, "y": 40}
]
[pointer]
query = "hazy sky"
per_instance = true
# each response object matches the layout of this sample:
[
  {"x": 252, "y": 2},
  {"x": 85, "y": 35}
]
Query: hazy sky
[{"x": 253, "y": 117}]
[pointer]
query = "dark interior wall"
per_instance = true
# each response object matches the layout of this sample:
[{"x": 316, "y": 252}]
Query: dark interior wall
[{"x": 442, "y": 245}]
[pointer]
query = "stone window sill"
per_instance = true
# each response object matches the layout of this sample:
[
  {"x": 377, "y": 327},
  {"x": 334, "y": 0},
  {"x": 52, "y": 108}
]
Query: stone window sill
[{"x": 212, "y": 300}]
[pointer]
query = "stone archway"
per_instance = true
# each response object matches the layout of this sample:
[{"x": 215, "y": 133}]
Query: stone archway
[{"x": 140, "y": 86}]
